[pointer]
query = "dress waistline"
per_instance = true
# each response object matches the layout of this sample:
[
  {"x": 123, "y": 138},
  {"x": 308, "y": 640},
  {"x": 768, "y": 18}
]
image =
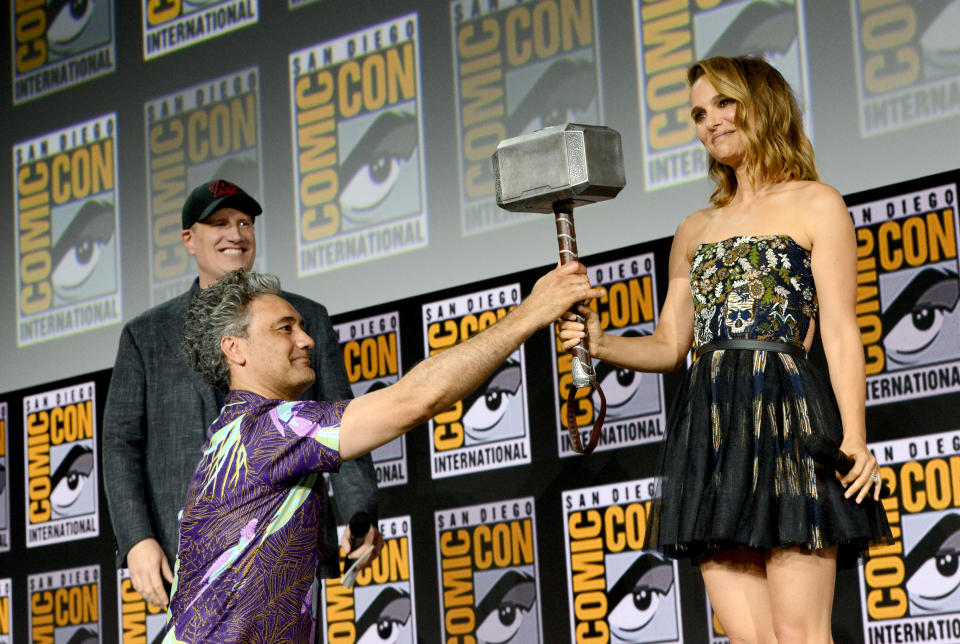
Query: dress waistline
[{"x": 795, "y": 350}]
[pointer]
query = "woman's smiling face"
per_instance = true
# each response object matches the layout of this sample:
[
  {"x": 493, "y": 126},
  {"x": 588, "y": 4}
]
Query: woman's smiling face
[{"x": 714, "y": 116}]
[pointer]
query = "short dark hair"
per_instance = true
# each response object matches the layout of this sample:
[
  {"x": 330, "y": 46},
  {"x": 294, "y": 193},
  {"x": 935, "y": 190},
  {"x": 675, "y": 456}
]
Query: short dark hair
[{"x": 218, "y": 311}]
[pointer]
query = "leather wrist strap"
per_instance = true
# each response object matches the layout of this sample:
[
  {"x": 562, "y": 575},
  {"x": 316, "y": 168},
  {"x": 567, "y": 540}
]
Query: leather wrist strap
[{"x": 575, "y": 441}]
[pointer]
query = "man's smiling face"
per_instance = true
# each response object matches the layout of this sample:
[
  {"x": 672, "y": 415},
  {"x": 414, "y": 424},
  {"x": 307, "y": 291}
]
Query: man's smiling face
[
  {"x": 274, "y": 357},
  {"x": 222, "y": 242}
]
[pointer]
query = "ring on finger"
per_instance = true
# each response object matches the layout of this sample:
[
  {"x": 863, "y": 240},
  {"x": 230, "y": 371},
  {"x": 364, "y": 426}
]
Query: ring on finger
[{"x": 875, "y": 478}]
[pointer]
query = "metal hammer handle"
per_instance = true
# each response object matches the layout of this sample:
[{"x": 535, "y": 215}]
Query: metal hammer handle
[{"x": 583, "y": 373}]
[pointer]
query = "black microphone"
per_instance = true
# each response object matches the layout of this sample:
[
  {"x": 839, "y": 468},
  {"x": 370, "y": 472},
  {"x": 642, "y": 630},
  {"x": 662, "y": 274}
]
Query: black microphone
[
  {"x": 831, "y": 456},
  {"x": 359, "y": 527}
]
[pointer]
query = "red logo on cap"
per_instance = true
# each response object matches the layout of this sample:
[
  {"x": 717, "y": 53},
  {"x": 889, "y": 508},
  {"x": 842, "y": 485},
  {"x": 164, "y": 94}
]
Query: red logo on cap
[{"x": 221, "y": 188}]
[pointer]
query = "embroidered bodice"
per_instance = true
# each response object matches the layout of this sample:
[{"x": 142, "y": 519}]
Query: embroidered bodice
[{"x": 752, "y": 287}]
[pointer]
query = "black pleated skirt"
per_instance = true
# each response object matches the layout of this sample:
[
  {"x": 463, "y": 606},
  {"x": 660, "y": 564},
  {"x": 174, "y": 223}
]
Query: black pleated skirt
[{"x": 734, "y": 470}]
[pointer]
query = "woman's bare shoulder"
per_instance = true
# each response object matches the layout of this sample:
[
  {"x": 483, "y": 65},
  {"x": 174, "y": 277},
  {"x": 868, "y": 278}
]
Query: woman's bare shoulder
[
  {"x": 691, "y": 231},
  {"x": 814, "y": 193},
  {"x": 812, "y": 204},
  {"x": 822, "y": 211},
  {"x": 693, "y": 225}
]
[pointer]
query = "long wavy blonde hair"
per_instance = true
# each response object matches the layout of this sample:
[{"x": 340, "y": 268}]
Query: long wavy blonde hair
[{"x": 777, "y": 149}]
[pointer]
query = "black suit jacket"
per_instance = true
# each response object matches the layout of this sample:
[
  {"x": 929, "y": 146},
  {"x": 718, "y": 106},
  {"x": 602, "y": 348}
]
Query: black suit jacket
[{"x": 157, "y": 414}]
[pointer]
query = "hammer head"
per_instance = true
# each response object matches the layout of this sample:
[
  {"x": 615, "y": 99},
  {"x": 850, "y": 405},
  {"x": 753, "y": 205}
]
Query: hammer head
[{"x": 572, "y": 164}]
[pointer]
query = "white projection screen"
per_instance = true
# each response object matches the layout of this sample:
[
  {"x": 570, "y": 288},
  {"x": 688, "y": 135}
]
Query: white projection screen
[{"x": 365, "y": 130}]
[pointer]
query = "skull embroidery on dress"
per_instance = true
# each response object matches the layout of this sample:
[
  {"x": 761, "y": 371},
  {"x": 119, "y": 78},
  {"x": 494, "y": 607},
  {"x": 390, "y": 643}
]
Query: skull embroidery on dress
[{"x": 739, "y": 313}]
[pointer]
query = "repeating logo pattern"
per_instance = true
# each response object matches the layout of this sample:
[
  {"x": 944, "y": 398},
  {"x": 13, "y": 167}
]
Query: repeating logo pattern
[
  {"x": 488, "y": 429},
  {"x": 358, "y": 147},
  {"x": 635, "y": 404},
  {"x": 208, "y": 131},
  {"x": 4, "y": 480},
  {"x": 519, "y": 66},
  {"x": 170, "y": 25},
  {"x": 714, "y": 628},
  {"x": 488, "y": 568},
  {"x": 6, "y": 614},
  {"x": 371, "y": 354},
  {"x": 910, "y": 589},
  {"x": 673, "y": 35},
  {"x": 139, "y": 622},
  {"x": 57, "y": 45},
  {"x": 61, "y": 465},
  {"x": 907, "y": 68},
  {"x": 66, "y": 228},
  {"x": 64, "y": 606},
  {"x": 907, "y": 292},
  {"x": 381, "y": 607},
  {"x": 618, "y": 592}
]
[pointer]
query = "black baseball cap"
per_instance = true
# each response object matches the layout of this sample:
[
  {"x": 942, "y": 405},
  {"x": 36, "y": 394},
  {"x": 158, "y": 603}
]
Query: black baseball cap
[{"x": 210, "y": 197}]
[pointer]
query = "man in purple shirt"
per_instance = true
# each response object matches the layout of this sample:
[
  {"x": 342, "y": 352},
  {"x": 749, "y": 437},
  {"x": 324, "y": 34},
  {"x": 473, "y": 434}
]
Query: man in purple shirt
[{"x": 247, "y": 558}]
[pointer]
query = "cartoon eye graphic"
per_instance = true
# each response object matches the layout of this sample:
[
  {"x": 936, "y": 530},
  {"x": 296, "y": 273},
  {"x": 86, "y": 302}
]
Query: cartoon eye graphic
[
  {"x": 70, "y": 478},
  {"x": 933, "y": 568},
  {"x": 77, "y": 252},
  {"x": 917, "y": 315},
  {"x": 241, "y": 171},
  {"x": 936, "y": 22},
  {"x": 486, "y": 406},
  {"x": 383, "y": 619},
  {"x": 67, "y": 19},
  {"x": 760, "y": 28},
  {"x": 501, "y": 612},
  {"x": 84, "y": 635},
  {"x": 620, "y": 386},
  {"x": 914, "y": 333},
  {"x": 562, "y": 94},
  {"x": 636, "y": 596},
  {"x": 376, "y": 385},
  {"x": 394, "y": 449},
  {"x": 372, "y": 167},
  {"x": 940, "y": 573},
  {"x": 637, "y": 609},
  {"x": 199, "y": 4}
]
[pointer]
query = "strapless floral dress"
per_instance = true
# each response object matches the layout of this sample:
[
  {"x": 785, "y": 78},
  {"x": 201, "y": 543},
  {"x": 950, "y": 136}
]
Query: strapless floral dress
[{"x": 734, "y": 471}]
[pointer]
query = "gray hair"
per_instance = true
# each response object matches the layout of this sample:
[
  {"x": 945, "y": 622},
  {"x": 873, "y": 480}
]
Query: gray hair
[{"x": 218, "y": 311}]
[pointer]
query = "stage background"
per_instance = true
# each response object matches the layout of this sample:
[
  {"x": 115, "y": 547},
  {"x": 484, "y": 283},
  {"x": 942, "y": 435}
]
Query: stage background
[
  {"x": 833, "y": 59},
  {"x": 880, "y": 84}
]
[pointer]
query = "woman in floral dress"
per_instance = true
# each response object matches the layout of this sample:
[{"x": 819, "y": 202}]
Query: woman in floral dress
[{"x": 751, "y": 277}]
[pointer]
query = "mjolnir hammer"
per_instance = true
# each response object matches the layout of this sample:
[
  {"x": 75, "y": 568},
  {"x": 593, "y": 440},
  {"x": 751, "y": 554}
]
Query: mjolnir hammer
[{"x": 553, "y": 170}]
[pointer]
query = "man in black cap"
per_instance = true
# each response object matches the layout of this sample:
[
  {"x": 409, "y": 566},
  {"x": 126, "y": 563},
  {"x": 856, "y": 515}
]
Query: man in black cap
[{"x": 158, "y": 408}]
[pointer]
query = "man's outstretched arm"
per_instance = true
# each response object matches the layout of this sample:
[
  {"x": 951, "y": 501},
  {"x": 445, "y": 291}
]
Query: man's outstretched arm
[
  {"x": 355, "y": 485},
  {"x": 438, "y": 382}
]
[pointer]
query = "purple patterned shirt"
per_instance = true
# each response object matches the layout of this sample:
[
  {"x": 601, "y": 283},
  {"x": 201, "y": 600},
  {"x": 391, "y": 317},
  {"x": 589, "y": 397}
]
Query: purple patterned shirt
[{"x": 248, "y": 556}]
